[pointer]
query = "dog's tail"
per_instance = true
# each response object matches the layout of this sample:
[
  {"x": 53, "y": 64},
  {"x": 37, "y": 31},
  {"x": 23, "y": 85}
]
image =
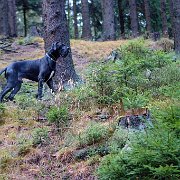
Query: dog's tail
[{"x": 3, "y": 70}]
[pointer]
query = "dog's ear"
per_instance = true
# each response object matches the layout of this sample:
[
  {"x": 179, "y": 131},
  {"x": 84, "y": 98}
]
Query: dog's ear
[{"x": 55, "y": 46}]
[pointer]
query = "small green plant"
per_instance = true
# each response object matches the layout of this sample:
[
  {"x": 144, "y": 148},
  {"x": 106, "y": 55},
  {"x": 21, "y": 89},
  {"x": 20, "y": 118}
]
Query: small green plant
[
  {"x": 24, "y": 146},
  {"x": 26, "y": 41},
  {"x": 2, "y": 109},
  {"x": 40, "y": 136},
  {"x": 94, "y": 133},
  {"x": 58, "y": 115}
]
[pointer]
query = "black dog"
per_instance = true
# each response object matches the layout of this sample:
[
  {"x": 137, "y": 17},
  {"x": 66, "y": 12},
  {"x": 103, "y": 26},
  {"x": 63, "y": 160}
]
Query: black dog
[{"x": 41, "y": 71}]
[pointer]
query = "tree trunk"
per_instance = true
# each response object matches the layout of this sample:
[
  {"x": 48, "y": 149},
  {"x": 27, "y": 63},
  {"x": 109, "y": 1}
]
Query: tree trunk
[
  {"x": 25, "y": 9},
  {"x": 164, "y": 18},
  {"x": 76, "y": 32},
  {"x": 68, "y": 13},
  {"x": 147, "y": 15},
  {"x": 176, "y": 7},
  {"x": 86, "y": 29},
  {"x": 108, "y": 19},
  {"x": 8, "y": 18},
  {"x": 171, "y": 16},
  {"x": 134, "y": 18},
  {"x": 56, "y": 29},
  {"x": 121, "y": 18},
  {"x": 1, "y": 17}
]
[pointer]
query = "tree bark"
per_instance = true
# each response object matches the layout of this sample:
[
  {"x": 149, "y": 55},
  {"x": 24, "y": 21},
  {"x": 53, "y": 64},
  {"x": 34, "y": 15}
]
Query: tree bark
[
  {"x": 25, "y": 8},
  {"x": 121, "y": 18},
  {"x": 1, "y": 17},
  {"x": 164, "y": 18},
  {"x": 176, "y": 7},
  {"x": 56, "y": 30},
  {"x": 134, "y": 18},
  {"x": 147, "y": 15},
  {"x": 76, "y": 32},
  {"x": 172, "y": 16},
  {"x": 108, "y": 19},
  {"x": 86, "y": 29},
  {"x": 8, "y": 18}
]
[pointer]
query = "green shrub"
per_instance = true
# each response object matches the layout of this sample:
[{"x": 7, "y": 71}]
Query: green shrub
[
  {"x": 94, "y": 133},
  {"x": 26, "y": 41},
  {"x": 2, "y": 109},
  {"x": 152, "y": 156},
  {"x": 58, "y": 115},
  {"x": 24, "y": 145},
  {"x": 40, "y": 136},
  {"x": 118, "y": 140}
]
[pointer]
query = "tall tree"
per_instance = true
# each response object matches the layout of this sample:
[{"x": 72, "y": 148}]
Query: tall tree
[
  {"x": 172, "y": 16},
  {"x": 56, "y": 29},
  {"x": 164, "y": 18},
  {"x": 12, "y": 18},
  {"x": 134, "y": 18},
  {"x": 121, "y": 17},
  {"x": 8, "y": 18},
  {"x": 108, "y": 19},
  {"x": 76, "y": 32},
  {"x": 147, "y": 15},
  {"x": 1, "y": 17},
  {"x": 86, "y": 29},
  {"x": 176, "y": 7}
]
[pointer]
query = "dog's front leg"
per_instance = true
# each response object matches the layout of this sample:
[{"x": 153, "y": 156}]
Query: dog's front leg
[
  {"x": 40, "y": 88},
  {"x": 50, "y": 85}
]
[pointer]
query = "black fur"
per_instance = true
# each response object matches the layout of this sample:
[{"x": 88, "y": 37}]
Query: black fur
[{"x": 39, "y": 70}]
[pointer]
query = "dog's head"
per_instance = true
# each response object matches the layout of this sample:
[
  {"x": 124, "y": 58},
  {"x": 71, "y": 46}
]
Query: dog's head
[{"x": 58, "y": 50}]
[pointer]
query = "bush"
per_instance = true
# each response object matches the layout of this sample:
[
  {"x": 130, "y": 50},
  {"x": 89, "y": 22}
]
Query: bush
[
  {"x": 40, "y": 136},
  {"x": 94, "y": 133},
  {"x": 24, "y": 145},
  {"x": 152, "y": 156},
  {"x": 166, "y": 44},
  {"x": 58, "y": 115}
]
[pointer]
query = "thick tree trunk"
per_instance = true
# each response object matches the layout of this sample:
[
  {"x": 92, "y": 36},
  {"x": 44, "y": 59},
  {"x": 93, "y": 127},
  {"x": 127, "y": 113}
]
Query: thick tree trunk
[
  {"x": 56, "y": 29},
  {"x": 134, "y": 18},
  {"x": 171, "y": 16},
  {"x": 164, "y": 18},
  {"x": 176, "y": 7},
  {"x": 86, "y": 29},
  {"x": 76, "y": 32},
  {"x": 8, "y": 18},
  {"x": 147, "y": 15},
  {"x": 108, "y": 19},
  {"x": 121, "y": 18}
]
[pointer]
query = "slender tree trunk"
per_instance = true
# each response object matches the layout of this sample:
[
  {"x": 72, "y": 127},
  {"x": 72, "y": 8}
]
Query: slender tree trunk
[
  {"x": 68, "y": 14},
  {"x": 108, "y": 19},
  {"x": 134, "y": 18},
  {"x": 76, "y": 32},
  {"x": 86, "y": 29},
  {"x": 1, "y": 17},
  {"x": 56, "y": 30},
  {"x": 121, "y": 18},
  {"x": 164, "y": 18},
  {"x": 147, "y": 15},
  {"x": 25, "y": 9},
  {"x": 176, "y": 7},
  {"x": 172, "y": 16}
]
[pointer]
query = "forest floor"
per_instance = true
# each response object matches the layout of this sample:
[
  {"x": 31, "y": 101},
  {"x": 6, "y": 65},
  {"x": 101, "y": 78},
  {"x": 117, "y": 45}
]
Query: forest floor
[{"x": 19, "y": 160}]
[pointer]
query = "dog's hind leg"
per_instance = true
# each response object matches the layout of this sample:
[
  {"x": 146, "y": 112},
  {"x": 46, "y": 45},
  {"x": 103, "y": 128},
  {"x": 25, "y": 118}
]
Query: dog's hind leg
[
  {"x": 7, "y": 89},
  {"x": 15, "y": 91}
]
